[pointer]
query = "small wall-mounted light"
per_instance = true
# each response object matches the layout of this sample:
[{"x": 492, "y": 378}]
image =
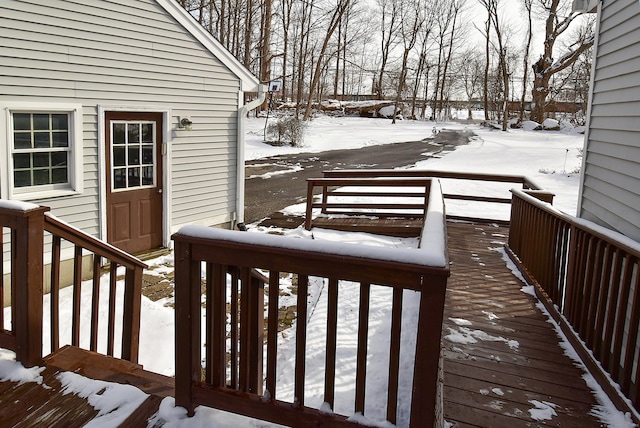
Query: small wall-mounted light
[{"x": 185, "y": 123}]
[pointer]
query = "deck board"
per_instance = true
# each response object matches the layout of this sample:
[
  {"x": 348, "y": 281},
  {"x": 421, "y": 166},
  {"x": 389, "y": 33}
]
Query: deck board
[
  {"x": 48, "y": 406},
  {"x": 31, "y": 404},
  {"x": 485, "y": 293}
]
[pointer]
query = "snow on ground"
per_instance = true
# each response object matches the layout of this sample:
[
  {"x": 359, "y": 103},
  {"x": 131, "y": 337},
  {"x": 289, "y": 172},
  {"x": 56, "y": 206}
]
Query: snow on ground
[
  {"x": 550, "y": 158},
  {"x": 331, "y": 133}
]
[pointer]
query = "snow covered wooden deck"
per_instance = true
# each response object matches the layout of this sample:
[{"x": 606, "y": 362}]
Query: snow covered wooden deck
[{"x": 503, "y": 365}]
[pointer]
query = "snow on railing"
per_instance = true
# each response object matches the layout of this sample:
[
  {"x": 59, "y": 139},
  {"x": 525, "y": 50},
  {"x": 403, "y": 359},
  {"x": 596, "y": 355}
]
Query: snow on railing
[{"x": 319, "y": 381}]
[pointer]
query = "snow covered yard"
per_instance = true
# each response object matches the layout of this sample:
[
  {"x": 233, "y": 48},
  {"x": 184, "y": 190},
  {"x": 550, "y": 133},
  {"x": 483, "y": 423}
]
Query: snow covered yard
[{"x": 549, "y": 158}]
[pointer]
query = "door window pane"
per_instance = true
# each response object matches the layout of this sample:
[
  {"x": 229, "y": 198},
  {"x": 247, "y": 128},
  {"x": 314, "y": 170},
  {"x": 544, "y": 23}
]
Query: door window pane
[
  {"x": 134, "y": 155},
  {"x": 118, "y": 133},
  {"x": 147, "y": 132},
  {"x": 119, "y": 158},
  {"x": 133, "y": 177},
  {"x": 147, "y": 176},
  {"x": 119, "y": 178},
  {"x": 133, "y": 130},
  {"x": 147, "y": 154}
]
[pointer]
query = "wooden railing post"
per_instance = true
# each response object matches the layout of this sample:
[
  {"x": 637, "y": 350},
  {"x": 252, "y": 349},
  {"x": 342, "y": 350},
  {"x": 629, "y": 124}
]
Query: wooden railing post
[
  {"x": 308, "y": 219},
  {"x": 131, "y": 321},
  {"x": 27, "y": 283},
  {"x": 425, "y": 374},
  {"x": 187, "y": 325}
]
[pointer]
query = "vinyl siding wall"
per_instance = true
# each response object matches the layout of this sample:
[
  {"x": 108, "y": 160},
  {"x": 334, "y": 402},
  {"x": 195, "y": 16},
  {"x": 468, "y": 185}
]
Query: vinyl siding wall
[
  {"x": 126, "y": 53},
  {"x": 611, "y": 188}
]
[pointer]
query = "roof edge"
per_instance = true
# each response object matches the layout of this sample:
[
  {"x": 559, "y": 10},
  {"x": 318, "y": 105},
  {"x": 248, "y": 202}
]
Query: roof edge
[{"x": 248, "y": 82}]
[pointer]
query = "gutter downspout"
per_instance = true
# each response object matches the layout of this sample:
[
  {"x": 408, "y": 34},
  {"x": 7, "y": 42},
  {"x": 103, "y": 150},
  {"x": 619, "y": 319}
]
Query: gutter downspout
[{"x": 242, "y": 113}]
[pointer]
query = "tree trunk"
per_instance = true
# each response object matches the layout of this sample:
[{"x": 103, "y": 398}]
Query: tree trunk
[
  {"x": 525, "y": 65},
  {"x": 448, "y": 56},
  {"x": 265, "y": 48},
  {"x": 403, "y": 76},
  {"x": 486, "y": 71},
  {"x": 416, "y": 85},
  {"x": 335, "y": 19},
  {"x": 248, "y": 25},
  {"x": 336, "y": 78},
  {"x": 540, "y": 91}
]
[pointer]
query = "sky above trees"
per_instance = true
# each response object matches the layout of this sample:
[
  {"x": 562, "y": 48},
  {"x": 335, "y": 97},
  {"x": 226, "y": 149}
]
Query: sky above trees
[{"x": 420, "y": 52}]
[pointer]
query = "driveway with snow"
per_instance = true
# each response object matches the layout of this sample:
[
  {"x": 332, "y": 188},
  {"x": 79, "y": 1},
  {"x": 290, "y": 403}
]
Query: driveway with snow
[{"x": 276, "y": 182}]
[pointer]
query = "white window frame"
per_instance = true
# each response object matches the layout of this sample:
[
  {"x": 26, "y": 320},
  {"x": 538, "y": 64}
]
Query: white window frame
[{"x": 75, "y": 184}]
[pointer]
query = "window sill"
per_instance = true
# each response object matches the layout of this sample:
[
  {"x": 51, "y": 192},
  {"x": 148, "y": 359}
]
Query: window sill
[{"x": 43, "y": 194}]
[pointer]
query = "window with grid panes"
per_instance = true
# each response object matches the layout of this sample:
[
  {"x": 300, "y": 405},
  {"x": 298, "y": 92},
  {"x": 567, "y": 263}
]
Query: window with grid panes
[
  {"x": 43, "y": 155},
  {"x": 41, "y": 149},
  {"x": 132, "y": 154}
]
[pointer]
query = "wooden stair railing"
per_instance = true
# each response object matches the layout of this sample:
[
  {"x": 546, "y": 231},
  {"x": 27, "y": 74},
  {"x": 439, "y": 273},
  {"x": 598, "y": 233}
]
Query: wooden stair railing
[
  {"x": 27, "y": 226},
  {"x": 114, "y": 257}
]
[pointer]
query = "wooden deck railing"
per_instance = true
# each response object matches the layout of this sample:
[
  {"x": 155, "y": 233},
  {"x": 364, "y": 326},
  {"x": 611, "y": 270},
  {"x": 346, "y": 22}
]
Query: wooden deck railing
[
  {"x": 29, "y": 227},
  {"x": 415, "y": 174},
  {"x": 390, "y": 199},
  {"x": 236, "y": 383},
  {"x": 592, "y": 277}
]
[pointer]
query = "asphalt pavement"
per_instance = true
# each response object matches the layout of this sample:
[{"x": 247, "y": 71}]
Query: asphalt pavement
[{"x": 266, "y": 193}]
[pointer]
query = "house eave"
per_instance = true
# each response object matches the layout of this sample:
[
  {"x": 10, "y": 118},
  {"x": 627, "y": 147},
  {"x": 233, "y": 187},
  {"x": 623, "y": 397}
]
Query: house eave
[{"x": 248, "y": 82}]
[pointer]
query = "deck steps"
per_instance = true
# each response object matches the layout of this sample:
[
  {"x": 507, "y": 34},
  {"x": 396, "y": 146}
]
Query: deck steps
[
  {"x": 102, "y": 367},
  {"x": 31, "y": 404}
]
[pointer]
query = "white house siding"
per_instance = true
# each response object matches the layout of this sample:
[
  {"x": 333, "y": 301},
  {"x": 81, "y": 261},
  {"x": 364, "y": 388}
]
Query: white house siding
[
  {"x": 610, "y": 192},
  {"x": 126, "y": 53}
]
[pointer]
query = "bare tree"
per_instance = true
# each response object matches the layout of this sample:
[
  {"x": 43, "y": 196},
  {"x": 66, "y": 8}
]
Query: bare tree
[
  {"x": 456, "y": 7},
  {"x": 334, "y": 20},
  {"x": 487, "y": 63},
  {"x": 528, "y": 5},
  {"x": 411, "y": 18},
  {"x": 265, "y": 47},
  {"x": 390, "y": 23},
  {"x": 558, "y": 20},
  {"x": 303, "y": 51},
  {"x": 446, "y": 21},
  {"x": 491, "y": 7},
  {"x": 470, "y": 72},
  {"x": 423, "y": 66}
]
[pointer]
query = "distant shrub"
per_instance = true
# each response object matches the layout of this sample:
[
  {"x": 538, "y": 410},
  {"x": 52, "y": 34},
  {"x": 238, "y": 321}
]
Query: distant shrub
[{"x": 286, "y": 130}]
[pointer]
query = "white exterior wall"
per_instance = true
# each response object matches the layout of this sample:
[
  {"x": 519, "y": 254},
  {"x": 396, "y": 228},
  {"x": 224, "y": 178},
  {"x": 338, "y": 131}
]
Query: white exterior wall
[
  {"x": 126, "y": 54},
  {"x": 610, "y": 191}
]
